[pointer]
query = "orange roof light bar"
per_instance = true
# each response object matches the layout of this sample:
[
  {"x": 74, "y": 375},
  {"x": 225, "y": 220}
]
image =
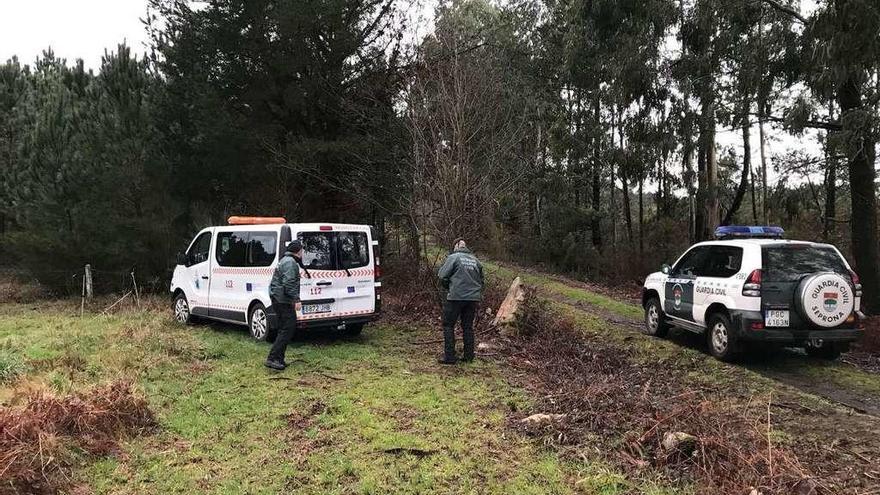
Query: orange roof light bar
[{"x": 235, "y": 220}]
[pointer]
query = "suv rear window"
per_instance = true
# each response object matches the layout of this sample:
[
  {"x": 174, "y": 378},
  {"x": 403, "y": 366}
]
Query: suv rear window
[{"x": 789, "y": 263}]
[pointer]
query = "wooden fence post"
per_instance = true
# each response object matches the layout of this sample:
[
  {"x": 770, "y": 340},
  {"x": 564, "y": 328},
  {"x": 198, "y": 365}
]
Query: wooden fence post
[
  {"x": 88, "y": 279},
  {"x": 137, "y": 295}
]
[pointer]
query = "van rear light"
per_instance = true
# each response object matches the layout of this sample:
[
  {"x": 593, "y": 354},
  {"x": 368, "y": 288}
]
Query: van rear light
[
  {"x": 377, "y": 270},
  {"x": 325, "y": 227},
  {"x": 752, "y": 287},
  {"x": 857, "y": 284}
]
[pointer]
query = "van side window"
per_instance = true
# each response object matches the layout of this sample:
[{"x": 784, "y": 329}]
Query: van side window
[
  {"x": 199, "y": 250},
  {"x": 231, "y": 248},
  {"x": 319, "y": 250},
  {"x": 261, "y": 248},
  {"x": 353, "y": 250}
]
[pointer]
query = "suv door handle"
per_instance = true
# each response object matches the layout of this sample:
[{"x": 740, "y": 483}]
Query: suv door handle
[
  {"x": 324, "y": 284},
  {"x": 204, "y": 277}
]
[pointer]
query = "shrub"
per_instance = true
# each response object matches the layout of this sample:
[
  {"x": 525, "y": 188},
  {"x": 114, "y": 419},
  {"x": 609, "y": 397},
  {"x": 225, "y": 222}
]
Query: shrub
[{"x": 11, "y": 366}]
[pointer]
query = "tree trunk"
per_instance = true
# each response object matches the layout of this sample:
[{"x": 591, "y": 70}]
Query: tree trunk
[
  {"x": 597, "y": 176},
  {"x": 627, "y": 214},
  {"x": 641, "y": 217},
  {"x": 613, "y": 184},
  {"x": 765, "y": 206},
  {"x": 860, "y": 152},
  {"x": 701, "y": 194},
  {"x": 754, "y": 198},
  {"x": 830, "y": 184},
  {"x": 660, "y": 199},
  {"x": 687, "y": 164},
  {"x": 744, "y": 180},
  {"x": 713, "y": 203}
]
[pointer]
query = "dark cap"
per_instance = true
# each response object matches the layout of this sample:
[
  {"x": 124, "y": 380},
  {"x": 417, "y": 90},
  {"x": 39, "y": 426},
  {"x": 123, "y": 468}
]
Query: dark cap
[{"x": 294, "y": 246}]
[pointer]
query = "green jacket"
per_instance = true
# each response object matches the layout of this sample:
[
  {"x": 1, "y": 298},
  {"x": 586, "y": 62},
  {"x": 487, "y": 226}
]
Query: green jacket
[
  {"x": 284, "y": 287},
  {"x": 462, "y": 275}
]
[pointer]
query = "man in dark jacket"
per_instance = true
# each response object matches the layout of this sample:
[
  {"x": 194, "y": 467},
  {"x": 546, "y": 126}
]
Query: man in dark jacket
[
  {"x": 284, "y": 293},
  {"x": 462, "y": 275}
]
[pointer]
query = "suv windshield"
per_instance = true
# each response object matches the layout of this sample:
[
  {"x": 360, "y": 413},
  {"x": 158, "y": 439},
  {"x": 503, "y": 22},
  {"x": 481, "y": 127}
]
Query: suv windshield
[{"x": 789, "y": 263}]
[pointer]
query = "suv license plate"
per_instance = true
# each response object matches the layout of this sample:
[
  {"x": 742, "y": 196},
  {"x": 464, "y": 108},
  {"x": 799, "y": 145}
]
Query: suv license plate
[
  {"x": 776, "y": 318},
  {"x": 316, "y": 308}
]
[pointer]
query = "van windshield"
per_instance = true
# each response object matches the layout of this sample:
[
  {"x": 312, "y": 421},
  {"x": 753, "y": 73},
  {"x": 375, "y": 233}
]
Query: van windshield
[{"x": 790, "y": 263}]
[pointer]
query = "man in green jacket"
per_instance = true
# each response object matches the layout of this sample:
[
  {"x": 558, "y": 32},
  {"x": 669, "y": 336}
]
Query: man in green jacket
[
  {"x": 284, "y": 293},
  {"x": 462, "y": 275}
]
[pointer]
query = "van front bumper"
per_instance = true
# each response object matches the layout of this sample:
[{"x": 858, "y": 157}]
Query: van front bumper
[{"x": 742, "y": 325}]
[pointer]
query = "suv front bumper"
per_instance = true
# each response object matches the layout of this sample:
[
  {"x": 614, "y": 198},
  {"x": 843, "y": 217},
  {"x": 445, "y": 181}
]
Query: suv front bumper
[{"x": 742, "y": 325}]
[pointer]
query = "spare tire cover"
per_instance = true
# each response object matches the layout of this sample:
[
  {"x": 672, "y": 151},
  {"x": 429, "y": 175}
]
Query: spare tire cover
[{"x": 825, "y": 299}]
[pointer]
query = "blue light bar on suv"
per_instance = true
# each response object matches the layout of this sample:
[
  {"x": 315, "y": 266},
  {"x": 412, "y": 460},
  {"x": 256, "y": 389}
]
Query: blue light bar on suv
[{"x": 749, "y": 232}]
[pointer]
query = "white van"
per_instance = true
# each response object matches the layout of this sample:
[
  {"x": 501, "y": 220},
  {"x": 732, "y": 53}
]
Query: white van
[{"x": 225, "y": 273}]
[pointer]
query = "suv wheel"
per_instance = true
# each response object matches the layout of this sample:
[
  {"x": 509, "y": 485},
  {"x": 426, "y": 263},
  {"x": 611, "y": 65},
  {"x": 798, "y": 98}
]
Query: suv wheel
[
  {"x": 258, "y": 322},
  {"x": 655, "y": 320},
  {"x": 722, "y": 342},
  {"x": 826, "y": 350}
]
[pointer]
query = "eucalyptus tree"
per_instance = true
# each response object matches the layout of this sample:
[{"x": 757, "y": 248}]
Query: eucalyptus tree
[
  {"x": 610, "y": 60},
  {"x": 842, "y": 51}
]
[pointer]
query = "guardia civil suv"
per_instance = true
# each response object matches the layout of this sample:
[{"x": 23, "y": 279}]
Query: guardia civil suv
[{"x": 751, "y": 285}]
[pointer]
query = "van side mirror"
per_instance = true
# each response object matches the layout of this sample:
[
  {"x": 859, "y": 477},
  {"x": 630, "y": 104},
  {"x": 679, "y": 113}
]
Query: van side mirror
[
  {"x": 665, "y": 269},
  {"x": 181, "y": 259}
]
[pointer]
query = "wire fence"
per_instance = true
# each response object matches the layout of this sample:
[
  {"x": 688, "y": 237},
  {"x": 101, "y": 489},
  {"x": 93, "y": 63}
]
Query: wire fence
[{"x": 74, "y": 282}]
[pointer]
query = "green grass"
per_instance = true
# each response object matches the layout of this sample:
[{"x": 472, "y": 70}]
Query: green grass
[
  {"x": 547, "y": 283},
  {"x": 324, "y": 426},
  {"x": 11, "y": 365},
  {"x": 652, "y": 349}
]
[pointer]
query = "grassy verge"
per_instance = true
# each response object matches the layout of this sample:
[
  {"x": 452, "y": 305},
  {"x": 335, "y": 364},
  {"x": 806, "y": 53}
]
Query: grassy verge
[
  {"x": 836, "y": 373},
  {"x": 547, "y": 283},
  {"x": 369, "y": 415}
]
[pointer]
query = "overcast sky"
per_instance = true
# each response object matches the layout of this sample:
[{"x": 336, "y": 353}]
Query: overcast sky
[{"x": 73, "y": 28}]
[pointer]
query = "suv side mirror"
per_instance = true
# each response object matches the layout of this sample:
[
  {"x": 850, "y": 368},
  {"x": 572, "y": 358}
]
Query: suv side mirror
[
  {"x": 181, "y": 259},
  {"x": 665, "y": 269}
]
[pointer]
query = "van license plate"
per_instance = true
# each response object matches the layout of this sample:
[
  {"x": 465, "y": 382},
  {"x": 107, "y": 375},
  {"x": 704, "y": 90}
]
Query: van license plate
[
  {"x": 776, "y": 318},
  {"x": 309, "y": 309}
]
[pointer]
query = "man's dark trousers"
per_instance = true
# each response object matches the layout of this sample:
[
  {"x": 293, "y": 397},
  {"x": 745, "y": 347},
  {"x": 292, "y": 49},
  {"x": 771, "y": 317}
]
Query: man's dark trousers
[
  {"x": 452, "y": 312},
  {"x": 286, "y": 328}
]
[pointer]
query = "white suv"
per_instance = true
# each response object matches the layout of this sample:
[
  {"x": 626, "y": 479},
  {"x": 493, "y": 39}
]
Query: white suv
[{"x": 753, "y": 286}]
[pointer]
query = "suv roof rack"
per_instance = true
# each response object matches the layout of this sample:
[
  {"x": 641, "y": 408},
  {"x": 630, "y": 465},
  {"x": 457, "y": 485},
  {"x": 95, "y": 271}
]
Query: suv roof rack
[{"x": 749, "y": 232}]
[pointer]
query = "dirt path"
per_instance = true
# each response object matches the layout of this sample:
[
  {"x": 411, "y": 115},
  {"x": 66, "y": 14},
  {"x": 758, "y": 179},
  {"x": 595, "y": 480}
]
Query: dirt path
[{"x": 838, "y": 381}]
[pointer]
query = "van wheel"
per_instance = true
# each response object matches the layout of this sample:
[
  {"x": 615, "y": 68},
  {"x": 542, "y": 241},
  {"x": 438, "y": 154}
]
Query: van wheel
[
  {"x": 258, "y": 322},
  {"x": 180, "y": 306},
  {"x": 353, "y": 330},
  {"x": 722, "y": 342},
  {"x": 827, "y": 350},
  {"x": 655, "y": 320}
]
